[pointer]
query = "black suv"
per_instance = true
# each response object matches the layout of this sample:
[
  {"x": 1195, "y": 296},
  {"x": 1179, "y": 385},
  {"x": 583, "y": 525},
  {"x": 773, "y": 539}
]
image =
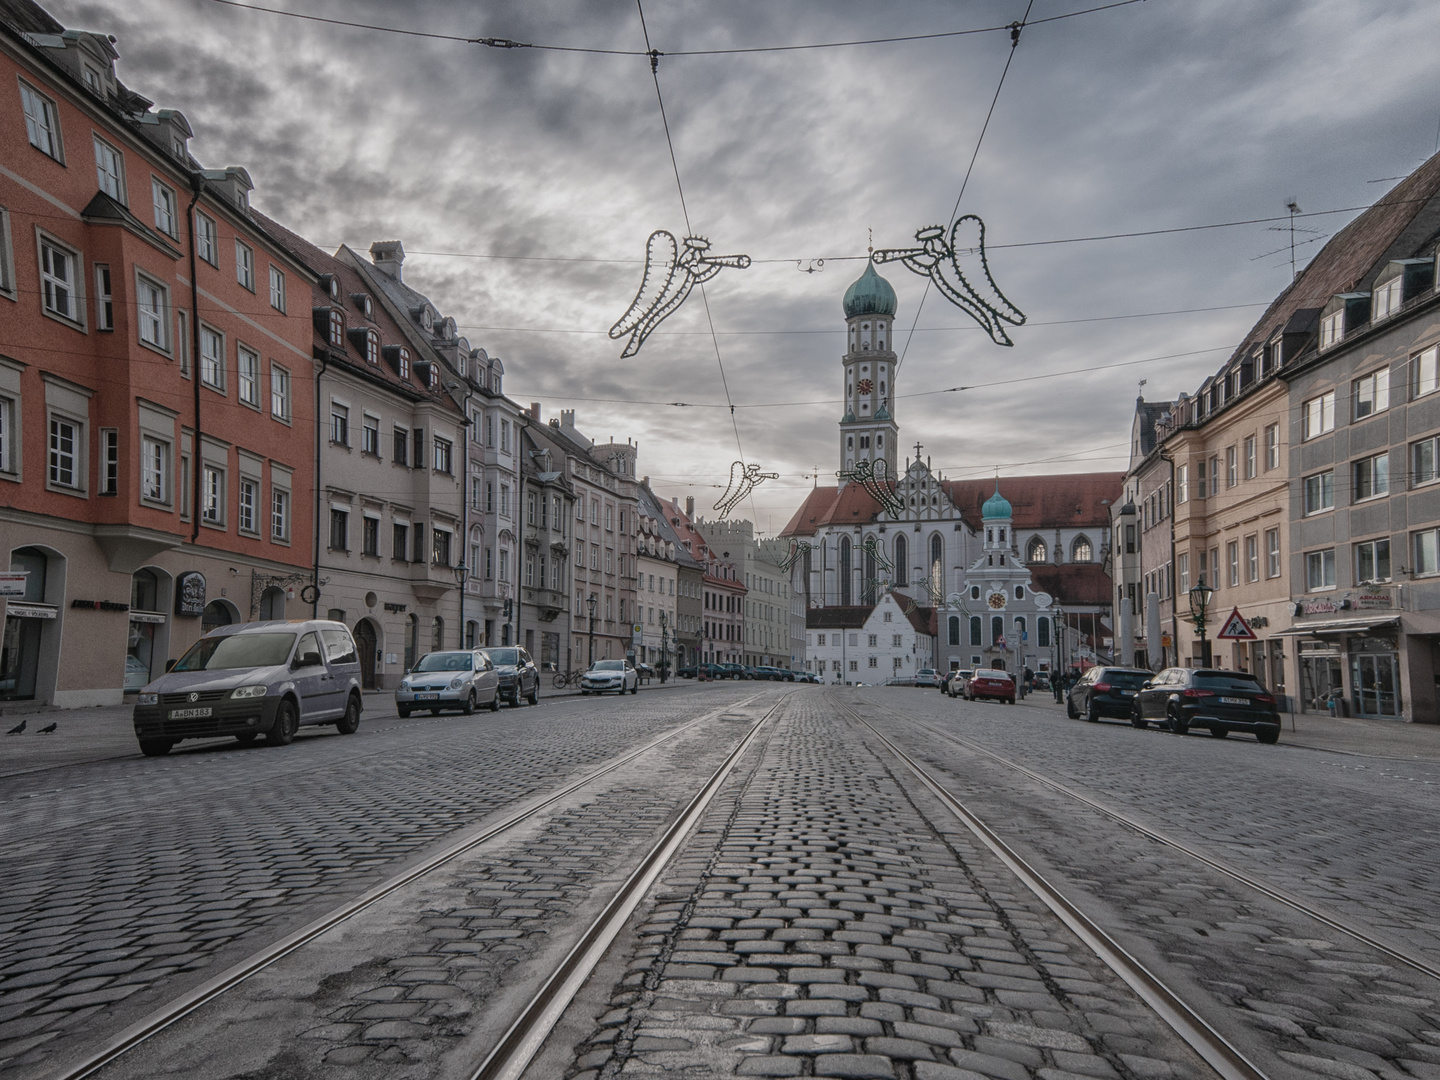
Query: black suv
[
  {"x": 1223, "y": 701},
  {"x": 519, "y": 678},
  {"x": 1105, "y": 691}
]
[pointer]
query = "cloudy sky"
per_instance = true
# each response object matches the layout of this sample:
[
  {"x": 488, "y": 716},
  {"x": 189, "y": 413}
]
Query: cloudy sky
[{"x": 534, "y": 177}]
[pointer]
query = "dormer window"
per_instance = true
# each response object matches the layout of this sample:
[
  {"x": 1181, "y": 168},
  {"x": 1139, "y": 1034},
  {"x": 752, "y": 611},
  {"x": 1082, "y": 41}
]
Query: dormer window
[
  {"x": 427, "y": 318},
  {"x": 92, "y": 81},
  {"x": 1332, "y": 329},
  {"x": 337, "y": 328},
  {"x": 403, "y": 362},
  {"x": 331, "y": 284},
  {"x": 1387, "y": 298},
  {"x": 364, "y": 303},
  {"x": 372, "y": 346},
  {"x": 1345, "y": 313}
]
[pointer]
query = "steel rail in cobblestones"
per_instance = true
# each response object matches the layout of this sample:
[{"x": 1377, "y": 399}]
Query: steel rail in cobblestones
[
  {"x": 1334, "y": 922},
  {"x": 513, "y": 1053},
  {"x": 183, "y": 1006},
  {"x": 1217, "y": 1051}
]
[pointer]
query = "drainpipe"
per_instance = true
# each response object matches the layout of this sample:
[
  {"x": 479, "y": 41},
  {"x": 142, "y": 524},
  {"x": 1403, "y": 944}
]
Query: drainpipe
[
  {"x": 1174, "y": 595},
  {"x": 465, "y": 510},
  {"x": 197, "y": 184},
  {"x": 319, "y": 434}
]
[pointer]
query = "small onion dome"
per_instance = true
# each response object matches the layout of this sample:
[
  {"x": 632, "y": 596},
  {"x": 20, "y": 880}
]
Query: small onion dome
[
  {"x": 996, "y": 507},
  {"x": 870, "y": 294}
]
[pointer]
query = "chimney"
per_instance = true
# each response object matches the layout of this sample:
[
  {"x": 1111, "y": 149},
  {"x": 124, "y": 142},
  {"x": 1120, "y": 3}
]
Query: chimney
[
  {"x": 690, "y": 507},
  {"x": 535, "y": 411},
  {"x": 387, "y": 255},
  {"x": 567, "y": 418}
]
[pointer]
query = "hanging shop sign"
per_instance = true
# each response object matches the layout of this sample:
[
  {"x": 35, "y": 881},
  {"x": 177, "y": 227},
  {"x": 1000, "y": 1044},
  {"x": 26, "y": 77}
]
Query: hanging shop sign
[
  {"x": 190, "y": 594},
  {"x": 12, "y": 582},
  {"x": 29, "y": 611}
]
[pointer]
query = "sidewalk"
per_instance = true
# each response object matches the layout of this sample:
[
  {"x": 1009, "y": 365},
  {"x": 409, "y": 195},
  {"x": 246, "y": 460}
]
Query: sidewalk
[{"x": 1315, "y": 731}]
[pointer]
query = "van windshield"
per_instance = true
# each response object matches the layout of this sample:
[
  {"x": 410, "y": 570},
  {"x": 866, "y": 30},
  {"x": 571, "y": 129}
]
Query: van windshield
[
  {"x": 237, "y": 651},
  {"x": 446, "y": 661}
]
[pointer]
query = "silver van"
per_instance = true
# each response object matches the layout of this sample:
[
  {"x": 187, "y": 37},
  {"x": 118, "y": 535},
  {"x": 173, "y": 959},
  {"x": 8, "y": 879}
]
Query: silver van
[{"x": 251, "y": 679}]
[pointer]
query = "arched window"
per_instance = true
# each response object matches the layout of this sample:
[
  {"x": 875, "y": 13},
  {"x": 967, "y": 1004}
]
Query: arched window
[
  {"x": 954, "y": 629},
  {"x": 1019, "y": 628},
  {"x": 412, "y": 641},
  {"x": 1036, "y": 551},
  {"x": 902, "y": 560},
  {"x": 976, "y": 632},
  {"x": 997, "y": 628},
  {"x": 1042, "y": 629},
  {"x": 1080, "y": 550},
  {"x": 845, "y": 571},
  {"x": 437, "y": 634},
  {"x": 867, "y": 587},
  {"x": 937, "y": 566},
  {"x": 974, "y": 592}
]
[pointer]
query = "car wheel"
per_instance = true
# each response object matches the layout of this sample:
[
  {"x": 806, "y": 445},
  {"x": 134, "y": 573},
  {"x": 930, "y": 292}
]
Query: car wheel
[
  {"x": 1176, "y": 724},
  {"x": 435, "y": 712},
  {"x": 287, "y": 722},
  {"x": 404, "y": 711},
  {"x": 534, "y": 698},
  {"x": 1219, "y": 732},
  {"x": 156, "y": 747},
  {"x": 495, "y": 702},
  {"x": 1070, "y": 710},
  {"x": 350, "y": 722},
  {"x": 468, "y": 708},
  {"x": 635, "y": 689},
  {"x": 1093, "y": 713},
  {"x": 1269, "y": 738},
  {"x": 1137, "y": 719},
  {"x": 246, "y": 738},
  {"x": 1010, "y": 701}
]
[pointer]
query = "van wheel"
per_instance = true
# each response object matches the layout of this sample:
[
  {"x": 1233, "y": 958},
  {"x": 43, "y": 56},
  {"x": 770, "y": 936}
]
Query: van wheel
[
  {"x": 156, "y": 747},
  {"x": 469, "y": 707},
  {"x": 287, "y": 723},
  {"x": 348, "y": 723}
]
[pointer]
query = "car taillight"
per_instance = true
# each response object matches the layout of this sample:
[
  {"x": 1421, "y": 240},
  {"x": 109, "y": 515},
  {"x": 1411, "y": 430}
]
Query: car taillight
[
  {"x": 1199, "y": 693},
  {"x": 1102, "y": 687},
  {"x": 1265, "y": 699}
]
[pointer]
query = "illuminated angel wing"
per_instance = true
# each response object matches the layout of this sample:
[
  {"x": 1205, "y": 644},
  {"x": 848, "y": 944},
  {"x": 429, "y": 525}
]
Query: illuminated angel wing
[
  {"x": 659, "y": 294},
  {"x": 735, "y": 490},
  {"x": 965, "y": 280}
]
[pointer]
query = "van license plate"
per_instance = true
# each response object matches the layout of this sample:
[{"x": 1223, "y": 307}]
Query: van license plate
[
  {"x": 1234, "y": 701},
  {"x": 427, "y": 697},
  {"x": 189, "y": 714}
]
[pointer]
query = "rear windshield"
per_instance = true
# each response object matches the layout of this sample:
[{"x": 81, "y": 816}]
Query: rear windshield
[
  {"x": 446, "y": 661},
  {"x": 237, "y": 651},
  {"x": 503, "y": 657},
  {"x": 609, "y": 665},
  {"x": 1226, "y": 680},
  {"x": 1126, "y": 678},
  {"x": 993, "y": 675}
]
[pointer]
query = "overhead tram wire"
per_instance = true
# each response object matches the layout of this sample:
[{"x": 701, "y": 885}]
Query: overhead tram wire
[{"x": 1015, "y": 30}]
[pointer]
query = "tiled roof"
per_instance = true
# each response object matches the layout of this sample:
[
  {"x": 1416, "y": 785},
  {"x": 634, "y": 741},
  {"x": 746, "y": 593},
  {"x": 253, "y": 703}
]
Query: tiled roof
[
  {"x": 836, "y": 618},
  {"x": 923, "y": 619},
  {"x": 1073, "y": 583},
  {"x": 28, "y": 17}
]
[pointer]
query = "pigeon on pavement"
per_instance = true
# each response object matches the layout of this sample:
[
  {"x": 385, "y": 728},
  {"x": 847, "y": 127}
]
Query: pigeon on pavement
[
  {"x": 47, "y": 730},
  {"x": 18, "y": 728}
]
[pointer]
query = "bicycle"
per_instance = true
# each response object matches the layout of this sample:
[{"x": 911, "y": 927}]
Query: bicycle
[{"x": 567, "y": 678}]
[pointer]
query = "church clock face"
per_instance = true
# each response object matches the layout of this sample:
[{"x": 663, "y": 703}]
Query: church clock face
[
  {"x": 865, "y": 386},
  {"x": 996, "y": 600}
]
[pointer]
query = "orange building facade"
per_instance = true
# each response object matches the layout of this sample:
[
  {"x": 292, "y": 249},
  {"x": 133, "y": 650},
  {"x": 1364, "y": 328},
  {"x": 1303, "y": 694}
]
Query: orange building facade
[{"x": 157, "y": 439}]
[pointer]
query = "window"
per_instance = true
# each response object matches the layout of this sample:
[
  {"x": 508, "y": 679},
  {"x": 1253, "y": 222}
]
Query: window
[
  {"x": 152, "y": 302},
  {"x": 1319, "y": 415},
  {"x": 1385, "y": 300},
  {"x": 1250, "y": 457},
  {"x": 372, "y": 347},
  {"x": 1319, "y": 492},
  {"x": 1080, "y": 551},
  {"x": 370, "y": 537},
  {"x": 109, "y": 462},
  {"x": 1252, "y": 558},
  {"x": 277, "y": 290},
  {"x": 105, "y": 301},
  {"x": 504, "y": 500},
  {"x": 1182, "y": 483},
  {"x": 58, "y": 280},
  {"x": 1272, "y": 447},
  {"x": 504, "y": 436},
  {"x": 42, "y": 121},
  {"x": 337, "y": 328},
  {"x": 1427, "y": 552},
  {"x": 1423, "y": 456},
  {"x": 1200, "y": 479},
  {"x": 1372, "y": 561},
  {"x": 370, "y": 436},
  {"x": 1272, "y": 553},
  {"x": 417, "y": 446},
  {"x": 245, "y": 264},
  {"x": 1182, "y": 566},
  {"x": 212, "y": 358},
  {"x": 444, "y": 455},
  {"x": 404, "y": 363},
  {"x": 162, "y": 200},
  {"x": 154, "y": 470},
  {"x": 1371, "y": 477},
  {"x": 1232, "y": 476},
  {"x": 1371, "y": 393},
  {"x": 1332, "y": 328},
  {"x": 505, "y": 576},
  {"x": 1425, "y": 372},
  {"x": 1232, "y": 560},
  {"x": 207, "y": 243},
  {"x": 339, "y": 530},
  {"x": 1320, "y": 570},
  {"x": 339, "y": 424},
  {"x": 247, "y": 498},
  {"x": 212, "y": 495},
  {"x": 1215, "y": 475},
  {"x": 7, "y": 254},
  {"x": 279, "y": 514},
  {"x": 489, "y": 496},
  {"x": 874, "y": 640},
  {"x": 182, "y": 341},
  {"x": 247, "y": 378},
  {"x": 400, "y": 541},
  {"x": 400, "y": 450},
  {"x": 874, "y": 662},
  {"x": 609, "y": 518},
  {"x": 110, "y": 170},
  {"x": 279, "y": 392},
  {"x": 66, "y": 453}
]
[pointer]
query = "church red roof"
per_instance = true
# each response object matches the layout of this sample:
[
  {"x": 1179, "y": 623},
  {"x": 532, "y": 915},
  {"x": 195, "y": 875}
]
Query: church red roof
[{"x": 1073, "y": 583}]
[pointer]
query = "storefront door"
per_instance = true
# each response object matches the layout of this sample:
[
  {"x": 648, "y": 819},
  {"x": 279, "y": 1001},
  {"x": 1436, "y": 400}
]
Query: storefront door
[
  {"x": 1320, "y": 676},
  {"x": 1375, "y": 684},
  {"x": 19, "y": 658}
]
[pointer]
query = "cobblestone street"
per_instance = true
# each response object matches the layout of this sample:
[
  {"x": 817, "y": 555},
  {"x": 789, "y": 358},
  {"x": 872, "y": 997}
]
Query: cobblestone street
[{"x": 828, "y": 916}]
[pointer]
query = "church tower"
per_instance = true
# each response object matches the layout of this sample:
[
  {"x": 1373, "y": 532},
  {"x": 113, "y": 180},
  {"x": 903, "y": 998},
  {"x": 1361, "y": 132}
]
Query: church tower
[{"x": 868, "y": 430}]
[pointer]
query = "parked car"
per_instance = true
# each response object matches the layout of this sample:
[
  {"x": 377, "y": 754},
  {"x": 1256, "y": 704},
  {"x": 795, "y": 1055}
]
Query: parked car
[
  {"x": 988, "y": 683},
  {"x": 518, "y": 675},
  {"x": 1042, "y": 680},
  {"x": 806, "y": 676},
  {"x": 461, "y": 679},
  {"x": 955, "y": 682},
  {"x": 616, "y": 675},
  {"x": 731, "y": 671},
  {"x": 928, "y": 677},
  {"x": 1222, "y": 701},
  {"x": 686, "y": 672},
  {"x": 248, "y": 679},
  {"x": 1105, "y": 691}
]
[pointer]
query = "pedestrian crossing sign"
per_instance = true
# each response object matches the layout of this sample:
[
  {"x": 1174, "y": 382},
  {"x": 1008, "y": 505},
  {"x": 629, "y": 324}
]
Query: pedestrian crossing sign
[{"x": 1236, "y": 628}]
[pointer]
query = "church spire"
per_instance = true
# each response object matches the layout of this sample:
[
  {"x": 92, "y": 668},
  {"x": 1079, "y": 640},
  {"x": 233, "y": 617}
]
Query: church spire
[{"x": 868, "y": 431}]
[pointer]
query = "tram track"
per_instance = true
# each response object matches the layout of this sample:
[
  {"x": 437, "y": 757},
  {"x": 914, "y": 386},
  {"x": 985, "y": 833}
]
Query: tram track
[{"x": 588, "y": 951}]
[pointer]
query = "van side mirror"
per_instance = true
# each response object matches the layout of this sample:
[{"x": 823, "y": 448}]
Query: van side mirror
[
  {"x": 170, "y": 665},
  {"x": 309, "y": 659}
]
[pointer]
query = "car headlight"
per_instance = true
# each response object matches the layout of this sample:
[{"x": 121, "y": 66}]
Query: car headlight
[
  {"x": 249, "y": 692},
  {"x": 149, "y": 699},
  {"x": 457, "y": 682}
]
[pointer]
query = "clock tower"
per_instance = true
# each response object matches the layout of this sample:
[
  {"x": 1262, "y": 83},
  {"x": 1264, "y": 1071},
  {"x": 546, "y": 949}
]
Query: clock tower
[{"x": 868, "y": 431}]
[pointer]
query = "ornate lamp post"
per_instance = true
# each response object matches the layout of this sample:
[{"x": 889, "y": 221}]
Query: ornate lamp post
[
  {"x": 462, "y": 574},
  {"x": 664, "y": 649},
  {"x": 1200, "y": 597},
  {"x": 590, "y": 603}
]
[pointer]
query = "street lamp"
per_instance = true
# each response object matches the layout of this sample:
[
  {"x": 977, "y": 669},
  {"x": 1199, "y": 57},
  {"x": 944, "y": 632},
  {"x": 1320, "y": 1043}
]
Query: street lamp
[
  {"x": 590, "y": 603},
  {"x": 1200, "y": 597},
  {"x": 462, "y": 574},
  {"x": 664, "y": 649}
]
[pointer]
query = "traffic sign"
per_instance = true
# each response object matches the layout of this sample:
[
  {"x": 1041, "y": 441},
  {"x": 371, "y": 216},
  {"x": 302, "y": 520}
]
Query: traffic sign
[{"x": 1236, "y": 628}]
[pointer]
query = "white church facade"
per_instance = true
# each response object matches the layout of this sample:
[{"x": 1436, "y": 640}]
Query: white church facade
[{"x": 1041, "y": 569}]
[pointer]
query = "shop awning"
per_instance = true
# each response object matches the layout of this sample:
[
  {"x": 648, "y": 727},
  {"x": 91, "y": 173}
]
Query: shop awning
[{"x": 1340, "y": 626}]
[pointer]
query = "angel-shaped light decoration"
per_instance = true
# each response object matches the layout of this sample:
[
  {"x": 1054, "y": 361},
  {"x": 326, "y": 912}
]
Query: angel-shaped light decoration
[
  {"x": 670, "y": 274},
  {"x": 940, "y": 259},
  {"x": 871, "y": 476},
  {"x": 872, "y": 548},
  {"x": 797, "y": 548},
  {"x": 743, "y": 479}
]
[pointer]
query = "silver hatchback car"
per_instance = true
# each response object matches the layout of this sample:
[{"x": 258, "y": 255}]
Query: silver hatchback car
[{"x": 459, "y": 679}]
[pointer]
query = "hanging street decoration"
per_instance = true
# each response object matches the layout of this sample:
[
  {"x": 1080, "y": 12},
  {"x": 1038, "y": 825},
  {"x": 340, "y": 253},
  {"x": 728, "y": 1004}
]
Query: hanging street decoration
[
  {"x": 797, "y": 548},
  {"x": 670, "y": 274},
  {"x": 871, "y": 476},
  {"x": 872, "y": 548},
  {"x": 943, "y": 261},
  {"x": 743, "y": 479}
]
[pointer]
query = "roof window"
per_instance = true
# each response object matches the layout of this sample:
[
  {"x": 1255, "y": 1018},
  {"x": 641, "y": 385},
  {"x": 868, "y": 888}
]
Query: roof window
[
  {"x": 1344, "y": 314},
  {"x": 364, "y": 303}
]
